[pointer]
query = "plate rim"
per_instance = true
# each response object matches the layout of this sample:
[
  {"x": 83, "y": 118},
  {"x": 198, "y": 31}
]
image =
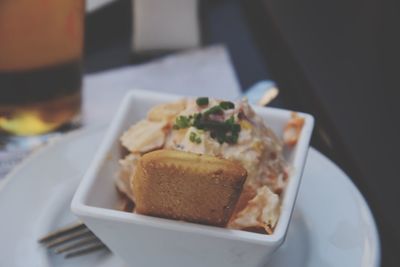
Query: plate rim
[
  {"x": 374, "y": 228},
  {"x": 42, "y": 149}
]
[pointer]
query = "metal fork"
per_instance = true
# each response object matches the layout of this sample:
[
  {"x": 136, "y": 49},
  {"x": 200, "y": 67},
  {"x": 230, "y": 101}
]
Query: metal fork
[{"x": 72, "y": 241}]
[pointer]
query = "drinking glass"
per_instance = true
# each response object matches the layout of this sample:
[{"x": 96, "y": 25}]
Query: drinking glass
[{"x": 41, "y": 46}]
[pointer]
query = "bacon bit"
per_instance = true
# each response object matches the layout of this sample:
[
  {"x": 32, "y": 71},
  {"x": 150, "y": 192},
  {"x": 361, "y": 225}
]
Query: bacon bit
[{"x": 292, "y": 130}]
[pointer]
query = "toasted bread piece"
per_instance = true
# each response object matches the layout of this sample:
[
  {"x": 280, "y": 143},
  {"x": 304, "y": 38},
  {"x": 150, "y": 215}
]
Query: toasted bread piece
[{"x": 187, "y": 186}]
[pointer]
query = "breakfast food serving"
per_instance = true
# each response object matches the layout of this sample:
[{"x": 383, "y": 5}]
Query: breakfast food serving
[{"x": 207, "y": 161}]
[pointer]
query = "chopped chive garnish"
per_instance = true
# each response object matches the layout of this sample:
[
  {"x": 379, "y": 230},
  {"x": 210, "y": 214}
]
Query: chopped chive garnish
[
  {"x": 197, "y": 120},
  {"x": 232, "y": 139},
  {"x": 236, "y": 127},
  {"x": 202, "y": 101},
  {"x": 223, "y": 131},
  {"x": 221, "y": 139},
  {"x": 194, "y": 138},
  {"x": 230, "y": 121},
  {"x": 227, "y": 105},
  {"x": 213, "y": 110},
  {"x": 182, "y": 122}
]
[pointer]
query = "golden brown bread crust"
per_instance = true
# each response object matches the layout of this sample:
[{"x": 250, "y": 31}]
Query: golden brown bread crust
[{"x": 187, "y": 186}]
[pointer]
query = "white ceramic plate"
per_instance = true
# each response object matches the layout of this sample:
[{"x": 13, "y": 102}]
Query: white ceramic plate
[{"x": 331, "y": 226}]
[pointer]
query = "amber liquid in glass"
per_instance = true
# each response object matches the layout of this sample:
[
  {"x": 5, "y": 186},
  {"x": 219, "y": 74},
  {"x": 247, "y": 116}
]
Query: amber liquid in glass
[
  {"x": 41, "y": 45},
  {"x": 40, "y": 100}
]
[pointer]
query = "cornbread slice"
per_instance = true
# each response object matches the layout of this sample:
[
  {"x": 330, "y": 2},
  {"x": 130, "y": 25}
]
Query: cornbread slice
[{"x": 187, "y": 186}]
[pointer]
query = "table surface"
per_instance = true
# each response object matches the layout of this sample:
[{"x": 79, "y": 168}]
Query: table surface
[{"x": 324, "y": 59}]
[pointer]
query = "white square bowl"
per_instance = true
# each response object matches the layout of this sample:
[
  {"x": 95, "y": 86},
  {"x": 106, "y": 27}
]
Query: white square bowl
[{"x": 149, "y": 241}]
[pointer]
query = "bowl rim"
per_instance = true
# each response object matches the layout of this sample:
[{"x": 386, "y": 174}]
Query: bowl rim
[{"x": 80, "y": 208}]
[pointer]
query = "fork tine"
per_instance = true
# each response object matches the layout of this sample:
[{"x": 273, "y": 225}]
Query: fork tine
[
  {"x": 70, "y": 237},
  {"x": 61, "y": 232},
  {"x": 86, "y": 250},
  {"x": 78, "y": 244},
  {"x": 75, "y": 240}
]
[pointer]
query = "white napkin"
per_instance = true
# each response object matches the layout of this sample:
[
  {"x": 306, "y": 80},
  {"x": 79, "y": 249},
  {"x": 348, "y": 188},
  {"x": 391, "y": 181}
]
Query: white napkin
[
  {"x": 160, "y": 25},
  {"x": 165, "y": 25}
]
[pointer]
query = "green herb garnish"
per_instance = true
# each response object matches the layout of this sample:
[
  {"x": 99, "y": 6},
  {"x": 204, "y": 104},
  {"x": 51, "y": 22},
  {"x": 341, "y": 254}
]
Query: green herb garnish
[
  {"x": 230, "y": 121},
  {"x": 194, "y": 138},
  {"x": 236, "y": 127},
  {"x": 197, "y": 117},
  {"x": 213, "y": 110},
  {"x": 202, "y": 101},
  {"x": 223, "y": 131},
  {"x": 182, "y": 122},
  {"x": 232, "y": 137},
  {"x": 227, "y": 105}
]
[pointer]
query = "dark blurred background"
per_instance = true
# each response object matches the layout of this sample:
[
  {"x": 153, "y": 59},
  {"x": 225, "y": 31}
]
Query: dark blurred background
[{"x": 327, "y": 59}]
